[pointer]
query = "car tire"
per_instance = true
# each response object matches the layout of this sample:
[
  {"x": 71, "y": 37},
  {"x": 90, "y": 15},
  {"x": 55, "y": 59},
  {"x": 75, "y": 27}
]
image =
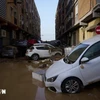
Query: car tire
[
  {"x": 57, "y": 54},
  {"x": 35, "y": 57},
  {"x": 71, "y": 85}
]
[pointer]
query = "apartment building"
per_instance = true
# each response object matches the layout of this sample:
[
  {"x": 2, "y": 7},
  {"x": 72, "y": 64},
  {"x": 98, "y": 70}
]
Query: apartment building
[
  {"x": 2, "y": 17},
  {"x": 18, "y": 18},
  {"x": 79, "y": 20}
]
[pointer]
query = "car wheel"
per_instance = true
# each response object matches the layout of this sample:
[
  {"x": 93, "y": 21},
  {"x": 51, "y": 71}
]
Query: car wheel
[
  {"x": 57, "y": 54},
  {"x": 35, "y": 57},
  {"x": 71, "y": 85}
]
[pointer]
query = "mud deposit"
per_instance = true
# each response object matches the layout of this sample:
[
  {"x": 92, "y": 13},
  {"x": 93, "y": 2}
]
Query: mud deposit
[{"x": 16, "y": 78}]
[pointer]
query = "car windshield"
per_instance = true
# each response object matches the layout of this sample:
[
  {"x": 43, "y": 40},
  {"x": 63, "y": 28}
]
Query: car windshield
[{"x": 74, "y": 55}]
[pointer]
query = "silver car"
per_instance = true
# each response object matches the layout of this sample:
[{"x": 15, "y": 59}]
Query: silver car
[{"x": 9, "y": 51}]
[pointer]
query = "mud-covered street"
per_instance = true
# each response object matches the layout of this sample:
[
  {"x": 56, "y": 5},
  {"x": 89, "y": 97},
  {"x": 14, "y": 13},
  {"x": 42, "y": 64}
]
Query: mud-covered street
[{"x": 16, "y": 78}]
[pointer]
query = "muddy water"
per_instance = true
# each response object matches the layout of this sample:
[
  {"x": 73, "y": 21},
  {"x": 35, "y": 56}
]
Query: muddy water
[{"x": 17, "y": 79}]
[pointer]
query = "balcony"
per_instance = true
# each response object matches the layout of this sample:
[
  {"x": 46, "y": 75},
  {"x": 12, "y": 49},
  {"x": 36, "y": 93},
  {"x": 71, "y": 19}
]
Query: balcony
[
  {"x": 96, "y": 10},
  {"x": 93, "y": 14},
  {"x": 69, "y": 7}
]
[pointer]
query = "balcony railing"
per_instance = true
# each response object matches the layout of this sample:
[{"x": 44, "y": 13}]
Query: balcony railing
[
  {"x": 69, "y": 25},
  {"x": 69, "y": 7}
]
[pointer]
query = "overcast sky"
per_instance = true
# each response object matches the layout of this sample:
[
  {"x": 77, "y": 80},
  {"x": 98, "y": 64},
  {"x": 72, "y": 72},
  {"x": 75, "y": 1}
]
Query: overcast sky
[{"x": 47, "y": 12}]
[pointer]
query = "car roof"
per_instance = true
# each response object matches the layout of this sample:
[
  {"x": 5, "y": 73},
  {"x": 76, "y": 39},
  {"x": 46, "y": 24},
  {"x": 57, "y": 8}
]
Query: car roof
[
  {"x": 92, "y": 40},
  {"x": 42, "y": 44}
]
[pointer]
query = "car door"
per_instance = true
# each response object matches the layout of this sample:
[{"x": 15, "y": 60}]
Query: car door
[
  {"x": 91, "y": 70},
  {"x": 43, "y": 51}
]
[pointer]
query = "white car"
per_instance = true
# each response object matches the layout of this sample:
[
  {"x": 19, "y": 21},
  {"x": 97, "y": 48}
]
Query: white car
[
  {"x": 80, "y": 68},
  {"x": 42, "y": 50}
]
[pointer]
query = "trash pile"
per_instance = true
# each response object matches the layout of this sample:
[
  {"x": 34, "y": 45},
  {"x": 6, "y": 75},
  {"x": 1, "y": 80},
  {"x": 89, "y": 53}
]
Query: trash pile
[
  {"x": 39, "y": 67},
  {"x": 45, "y": 63},
  {"x": 41, "y": 63}
]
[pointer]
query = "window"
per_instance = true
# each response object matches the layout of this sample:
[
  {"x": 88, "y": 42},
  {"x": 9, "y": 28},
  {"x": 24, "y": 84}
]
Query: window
[
  {"x": 20, "y": 36},
  {"x": 98, "y": 1},
  {"x": 49, "y": 46},
  {"x": 15, "y": 2},
  {"x": 93, "y": 51},
  {"x": 76, "y": 9},
  {"x": 42, "y": 48},
  {"x": 68, "y": 2},
  {"x": 75, "y": 54},
  {"x": 76, "y": 13},
  {"x": 13, "y": 34},
  {"x": 11, "y": 10},
  {"x": 15, "y": 14}
]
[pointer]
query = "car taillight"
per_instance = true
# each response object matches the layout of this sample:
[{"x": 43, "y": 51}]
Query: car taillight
[{"x": 30, "y": 50}]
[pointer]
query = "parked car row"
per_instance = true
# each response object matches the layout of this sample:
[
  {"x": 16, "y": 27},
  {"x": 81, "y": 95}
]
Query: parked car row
[
  {"x": 38, "y": 50},
  {"x": 17, "y": 48},
  {"x": 24, "y": 43}
]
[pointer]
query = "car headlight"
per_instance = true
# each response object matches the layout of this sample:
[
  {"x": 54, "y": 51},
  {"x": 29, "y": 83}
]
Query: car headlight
[{"x": 52, "y": 79}]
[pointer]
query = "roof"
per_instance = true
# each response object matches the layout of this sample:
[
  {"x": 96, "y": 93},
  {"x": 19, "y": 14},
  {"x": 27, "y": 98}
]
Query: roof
[
  {"x": 92, "y": 40},
  {"x": 42, "y": 44}
]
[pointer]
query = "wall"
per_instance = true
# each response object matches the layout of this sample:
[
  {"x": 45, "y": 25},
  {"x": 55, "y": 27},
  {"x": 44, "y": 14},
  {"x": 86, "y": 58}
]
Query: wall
[
  {"x": 84, "y": 7},
  {"x": 3, "y": 8}
]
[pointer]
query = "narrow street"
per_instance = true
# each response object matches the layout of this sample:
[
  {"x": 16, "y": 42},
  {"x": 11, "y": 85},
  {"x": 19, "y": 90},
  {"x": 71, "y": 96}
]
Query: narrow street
[
  {"x": 52, "y": 29},
  {"x": 16, "y": 78}
]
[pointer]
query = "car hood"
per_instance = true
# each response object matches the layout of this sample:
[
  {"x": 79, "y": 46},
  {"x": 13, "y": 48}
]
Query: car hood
[{"x": 57, "y": 67}]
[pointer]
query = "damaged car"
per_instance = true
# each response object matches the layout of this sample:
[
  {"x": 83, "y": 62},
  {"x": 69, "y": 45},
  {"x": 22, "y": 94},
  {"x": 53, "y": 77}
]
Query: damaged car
[
  {"x": 42, "y": 50},
  {"x": 80, "y": 68},
  {"x": 9, "y": 51}
]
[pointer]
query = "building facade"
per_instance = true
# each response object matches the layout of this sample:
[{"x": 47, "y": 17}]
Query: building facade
[
  {"x": 19, "y": 19},
  {"x": 2, "y": 15},
  {"x": 76, "y": 20}
]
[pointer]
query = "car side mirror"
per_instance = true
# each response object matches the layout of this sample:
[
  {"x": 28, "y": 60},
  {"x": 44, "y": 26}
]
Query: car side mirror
[{"x": 84, "y": 59}]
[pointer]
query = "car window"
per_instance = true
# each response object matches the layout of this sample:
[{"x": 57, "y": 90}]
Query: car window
[
  {"x": 42, "y": 48},
  {"x": 93, "y": 51},
  {"x": 49, "y": 46},
  {"x": 75, "y": 53}
]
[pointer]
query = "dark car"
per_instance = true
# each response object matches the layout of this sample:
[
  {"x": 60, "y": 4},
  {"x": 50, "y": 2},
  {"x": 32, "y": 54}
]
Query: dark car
[
  {"x": 31, "y": 42},
  {"x": 9, "y": 51},
  {"x": 22, "y": 43}
]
